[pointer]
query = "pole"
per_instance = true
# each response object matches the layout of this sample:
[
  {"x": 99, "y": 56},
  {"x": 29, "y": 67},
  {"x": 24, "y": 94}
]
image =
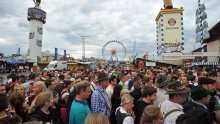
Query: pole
[{"x": 83, "y": 47}]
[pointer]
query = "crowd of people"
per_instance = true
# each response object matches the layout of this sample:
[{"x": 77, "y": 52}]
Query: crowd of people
[{"x": 155, "y": 95}]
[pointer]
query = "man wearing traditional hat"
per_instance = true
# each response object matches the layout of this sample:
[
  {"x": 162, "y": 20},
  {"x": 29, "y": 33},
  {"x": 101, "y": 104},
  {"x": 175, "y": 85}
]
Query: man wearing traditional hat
[
  {"x": 100, "y": 101},
  {"x": 172, "y": 108},
  {"x": 210, "y": 84},
  {"x": 162, "y": 82},
  {"x": 200, "y": 99},
  {"x": 207, "y": 83}
]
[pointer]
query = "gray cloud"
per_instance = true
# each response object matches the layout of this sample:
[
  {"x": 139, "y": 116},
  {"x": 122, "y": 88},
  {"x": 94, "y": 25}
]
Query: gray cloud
[{"x": 103, "y": 20}]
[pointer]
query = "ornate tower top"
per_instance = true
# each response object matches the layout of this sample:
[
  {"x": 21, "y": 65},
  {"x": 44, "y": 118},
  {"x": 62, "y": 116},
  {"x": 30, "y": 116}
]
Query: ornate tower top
[
  {"x": 37, "y": 3},
  {"x": 36, "y": 12},
  {"x": 168, "y": 4}
]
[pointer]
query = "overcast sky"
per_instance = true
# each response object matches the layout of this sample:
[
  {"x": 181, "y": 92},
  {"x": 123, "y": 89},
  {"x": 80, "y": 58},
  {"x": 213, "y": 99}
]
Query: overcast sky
[{"x": 103, "y": 20}]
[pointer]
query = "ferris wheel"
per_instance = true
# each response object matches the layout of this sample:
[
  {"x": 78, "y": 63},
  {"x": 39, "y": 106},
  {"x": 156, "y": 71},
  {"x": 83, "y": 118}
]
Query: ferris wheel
[{"x": 114, "y": 51}]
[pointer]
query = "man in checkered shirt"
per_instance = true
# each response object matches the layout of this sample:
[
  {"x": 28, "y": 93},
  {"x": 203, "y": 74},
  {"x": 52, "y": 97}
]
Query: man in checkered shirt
[{"x": 100, "y": 100}]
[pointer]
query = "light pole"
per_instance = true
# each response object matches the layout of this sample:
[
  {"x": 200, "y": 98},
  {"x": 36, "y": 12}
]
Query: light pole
[
  {"x": 201, "y": 26},
  {"x": 83, "y": 46}
]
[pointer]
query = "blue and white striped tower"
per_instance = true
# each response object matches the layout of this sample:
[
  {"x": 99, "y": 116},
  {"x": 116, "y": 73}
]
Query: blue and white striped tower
[
  {"x": 201, "y": 26},
  {"x": 182, "y": 48},
  {"x": 162, "y": 33}
]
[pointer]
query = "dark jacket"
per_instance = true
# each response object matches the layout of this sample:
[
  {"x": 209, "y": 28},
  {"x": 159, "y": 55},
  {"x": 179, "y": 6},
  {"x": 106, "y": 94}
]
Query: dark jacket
[
  {"x": 189, "y": 106},
  {"x": 136, "y": 94},
  {"x": 130, "y": 84},
  {"x": 23, "y": 115},
  {"x": 120, "y": 116},
  {"x": 40, "y": 116},
  {"x": 11, "y": 119},
  {"x": 116, "y": 101},
  {"x": 139, "y": 110}
]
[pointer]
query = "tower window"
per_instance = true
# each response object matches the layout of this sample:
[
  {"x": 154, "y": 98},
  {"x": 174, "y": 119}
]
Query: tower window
[
  {"x": 31, "y": 35},
  {"x": 40, "y": 30},
  {"x": 39, "y": 43}
]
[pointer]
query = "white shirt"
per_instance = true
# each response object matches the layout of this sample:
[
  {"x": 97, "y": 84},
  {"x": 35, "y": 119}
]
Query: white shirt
[
  {"x": 126, "y": 83},
  {"x": 110, "y": 90},
  {"x": 166, "y": 107},
  {"x": 9, "y": 81},
  {"x": 93, "y": 87},
  {"x": 161, "y": 96},
  {"x": 128, "y": 119}
]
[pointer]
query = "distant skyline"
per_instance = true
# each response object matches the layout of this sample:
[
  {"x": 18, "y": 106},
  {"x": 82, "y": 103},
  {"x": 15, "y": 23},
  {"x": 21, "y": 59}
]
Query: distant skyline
[{"x": 127, "y": 21}]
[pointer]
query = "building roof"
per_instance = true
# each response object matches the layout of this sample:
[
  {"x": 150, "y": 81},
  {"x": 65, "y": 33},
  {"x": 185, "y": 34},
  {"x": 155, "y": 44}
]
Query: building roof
[
  {"x": 169, "y": 11},
  {"x": 214, "y": 33},
  {"x": 199, "y": 49}
]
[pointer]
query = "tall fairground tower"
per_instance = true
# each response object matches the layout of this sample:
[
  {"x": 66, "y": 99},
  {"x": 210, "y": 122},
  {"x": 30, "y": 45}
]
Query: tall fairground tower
[
  {"x": 170, "y": 31},
  {"x": 36, "y": 17}
]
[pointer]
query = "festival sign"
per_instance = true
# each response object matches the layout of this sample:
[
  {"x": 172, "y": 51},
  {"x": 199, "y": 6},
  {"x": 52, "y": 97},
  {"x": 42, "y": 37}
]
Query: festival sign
[{"x": 172, "y": 32}]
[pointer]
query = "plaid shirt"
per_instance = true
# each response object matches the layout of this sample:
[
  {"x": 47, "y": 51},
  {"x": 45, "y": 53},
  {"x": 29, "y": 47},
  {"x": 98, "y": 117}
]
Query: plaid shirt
[{"x": 98, "y": 103}]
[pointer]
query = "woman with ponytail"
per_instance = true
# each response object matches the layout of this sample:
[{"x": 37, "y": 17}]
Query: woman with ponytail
[{"x": 39, "y": 109}]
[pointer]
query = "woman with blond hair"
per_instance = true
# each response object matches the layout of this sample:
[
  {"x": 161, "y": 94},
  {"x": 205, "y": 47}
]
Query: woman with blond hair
[
  {"x": 97, "y": 118},
  {"x": 38, "y": 87},
  {"x": 151, "y": 115},
  {"x": 21, "y": 89},
  {"x": 123, "y": 92},
  {"x": 39, "y": 109},
  {"x": 124, "y": 113}
]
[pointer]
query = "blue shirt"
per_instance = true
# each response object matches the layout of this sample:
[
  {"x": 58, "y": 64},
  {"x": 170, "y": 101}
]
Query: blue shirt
[
  {"x": 98, "y": 103},
  {"x": 78, "y": 112}
]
